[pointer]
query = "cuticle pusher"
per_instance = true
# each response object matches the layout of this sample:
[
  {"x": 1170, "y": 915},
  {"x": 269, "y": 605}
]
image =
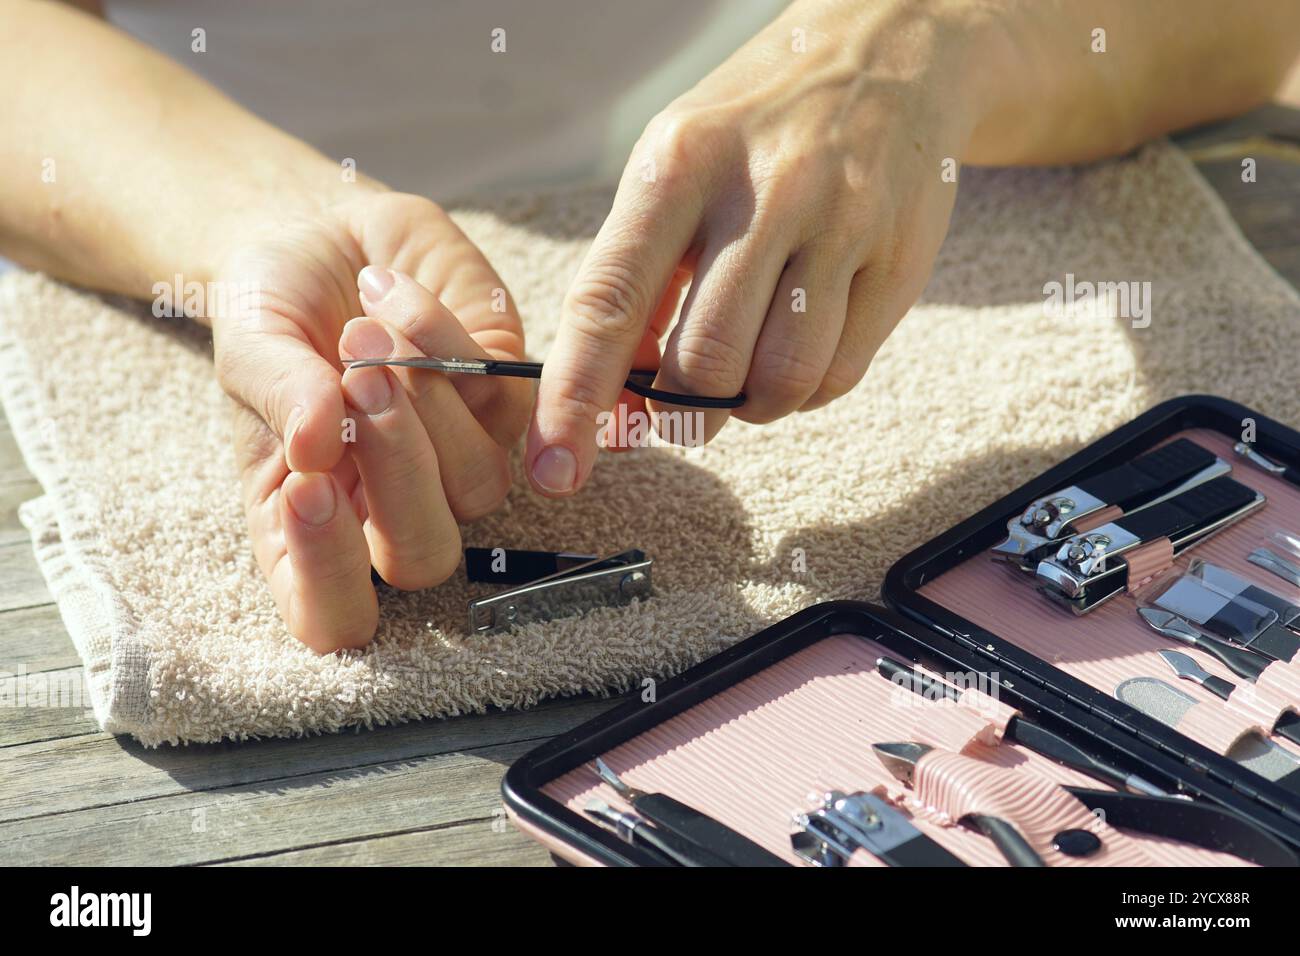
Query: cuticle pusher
[
  {"x": 638, "y": 380},
  {"x": 1186, "y": 668}
]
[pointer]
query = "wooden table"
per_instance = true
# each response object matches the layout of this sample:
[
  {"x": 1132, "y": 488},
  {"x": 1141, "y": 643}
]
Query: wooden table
[{"x": 424, "y": 792}]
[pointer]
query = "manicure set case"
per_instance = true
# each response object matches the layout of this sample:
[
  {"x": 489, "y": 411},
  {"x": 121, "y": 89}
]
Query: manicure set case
[{"x": 749, "y": 736}]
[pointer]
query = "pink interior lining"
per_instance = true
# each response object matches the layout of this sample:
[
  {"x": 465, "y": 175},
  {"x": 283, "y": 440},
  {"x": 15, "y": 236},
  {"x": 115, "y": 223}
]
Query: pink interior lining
[
  {"x": 751, "y": 755},
  {"x": 1111, "y": 644}
]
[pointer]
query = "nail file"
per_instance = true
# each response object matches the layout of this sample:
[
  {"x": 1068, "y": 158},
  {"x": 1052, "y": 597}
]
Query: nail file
[{"x": 1167, "y": 704}]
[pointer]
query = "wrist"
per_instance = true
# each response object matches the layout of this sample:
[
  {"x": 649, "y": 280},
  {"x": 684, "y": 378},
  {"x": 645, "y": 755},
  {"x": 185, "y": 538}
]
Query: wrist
[
  {"x": 942, "y": 59},
  {"x": 289, "y": 190}
]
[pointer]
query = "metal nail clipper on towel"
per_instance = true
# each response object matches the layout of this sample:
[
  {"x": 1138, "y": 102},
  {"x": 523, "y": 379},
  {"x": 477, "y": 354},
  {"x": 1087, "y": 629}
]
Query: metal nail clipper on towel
[
  {"x": 1154, "y": 477},
  {"x": 639, "y": 381},
  {"x": 551, "y": 585}
]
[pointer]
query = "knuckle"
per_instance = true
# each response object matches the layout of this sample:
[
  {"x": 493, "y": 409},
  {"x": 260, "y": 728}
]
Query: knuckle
[
  {"x": 704, "y": 357},
  {"x": 574, "y": 399},
  {"x": 840, "y": 379},
  {"x": 674, "y": 141},
  {"x": 481, "y": 489},
  {"x": 423, "y": 562},
  {"x": 607, "y": 303},
  {"x": 781, "y": 376}
]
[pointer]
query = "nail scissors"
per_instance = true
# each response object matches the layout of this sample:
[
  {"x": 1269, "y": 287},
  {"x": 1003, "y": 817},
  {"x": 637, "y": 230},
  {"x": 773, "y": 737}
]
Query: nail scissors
[{"x": 638, "y": 380}]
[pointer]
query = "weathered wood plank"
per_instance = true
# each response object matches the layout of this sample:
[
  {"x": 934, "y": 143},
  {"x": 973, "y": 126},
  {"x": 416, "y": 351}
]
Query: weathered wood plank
[
  {"x": 1273, "y": 119},
  {"x": 12, "y": 494},
  {"x": 208, "y": 826},
  {"x": 492, "y": 842},
  {"x": 34, "y": 639},
  {"x": 22, "y": 725},
  {"x": 22, "y": 584},
  {"x": 59, "y": 776}
]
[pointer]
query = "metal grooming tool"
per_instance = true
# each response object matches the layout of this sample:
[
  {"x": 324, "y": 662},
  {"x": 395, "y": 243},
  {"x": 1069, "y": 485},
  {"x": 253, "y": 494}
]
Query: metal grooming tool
[
  {"x": 1185, "y": 668},
  {"x": 667, "y": 849},
  {"x": 900, "y": 759},
  {"x": 603, "y": 582},
  {"x": 707, "y": 835},
  {"x": 1242, "y": 662},
  {"x": 639, "y": 381},
  {"x": 1270, "y": 560},
  {"x": 1147, "y": 480},
  {"x": 1284, "y": 472},
  {"x": 1089, "y": 568},
  {"x": 1024, "y": 732},
  {"x": 843, "y": 823}
]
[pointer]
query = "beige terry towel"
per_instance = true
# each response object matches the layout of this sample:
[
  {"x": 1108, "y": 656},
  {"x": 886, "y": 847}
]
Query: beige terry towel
[{"x": 142, "y": 539}]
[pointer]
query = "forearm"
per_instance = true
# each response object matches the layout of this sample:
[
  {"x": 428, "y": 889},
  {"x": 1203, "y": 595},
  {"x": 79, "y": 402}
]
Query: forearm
[
  {"x": 1051, "y": 96},
  {"x": 1007, "y": 82},
  {"x": 119, "y": 168}
]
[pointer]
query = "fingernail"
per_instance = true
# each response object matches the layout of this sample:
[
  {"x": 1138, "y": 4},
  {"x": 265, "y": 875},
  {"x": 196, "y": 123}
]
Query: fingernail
[
  {"x": 366, "y": 338},
  {"x": 294, "y": 422},
  {"x": 368, "y": 389},
  {"x": 311, "y": 496},
  {"x": 374, "y": 282},
  {"x": 555, "y": 470}
]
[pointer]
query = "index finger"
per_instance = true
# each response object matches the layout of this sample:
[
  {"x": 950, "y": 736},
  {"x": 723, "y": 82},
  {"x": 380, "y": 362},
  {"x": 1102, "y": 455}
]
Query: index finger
[{"x": 606, "y": 314}]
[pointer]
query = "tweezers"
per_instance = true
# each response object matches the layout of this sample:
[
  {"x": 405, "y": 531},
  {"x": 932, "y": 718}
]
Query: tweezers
[{"x": 638, "y": 380}]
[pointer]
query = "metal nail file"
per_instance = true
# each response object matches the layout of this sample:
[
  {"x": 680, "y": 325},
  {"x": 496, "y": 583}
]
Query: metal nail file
[
  {"x": 1236, "y": 619},
  {"x": 604, "y": 582},
  {"x": 1090, "y": 568},
  {"x": 1162, "y": 701},
  {"x": 900, "y": 759},
  {"x": 1023, "y": 731},
  {"x": 1241, "y": 661},
  {"x": 1146, "y": 480},
  {"x": 844, "y": 823},
  {"x": 1186, "y": 668},
  {"x": 712, "y": 837}
]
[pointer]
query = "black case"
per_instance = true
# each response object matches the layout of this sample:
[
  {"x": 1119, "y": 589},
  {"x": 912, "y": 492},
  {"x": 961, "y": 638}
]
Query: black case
[{"x": 920, "y": 630}]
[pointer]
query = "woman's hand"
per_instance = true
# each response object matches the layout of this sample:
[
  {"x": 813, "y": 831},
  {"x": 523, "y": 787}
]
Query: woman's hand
[
  {"x": 374, "y": 465},
  {"x": 800, "y": 190}
]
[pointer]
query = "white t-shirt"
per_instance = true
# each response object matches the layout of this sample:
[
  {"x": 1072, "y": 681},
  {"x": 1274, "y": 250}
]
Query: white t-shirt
[{"x": 456, "y": 96}]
